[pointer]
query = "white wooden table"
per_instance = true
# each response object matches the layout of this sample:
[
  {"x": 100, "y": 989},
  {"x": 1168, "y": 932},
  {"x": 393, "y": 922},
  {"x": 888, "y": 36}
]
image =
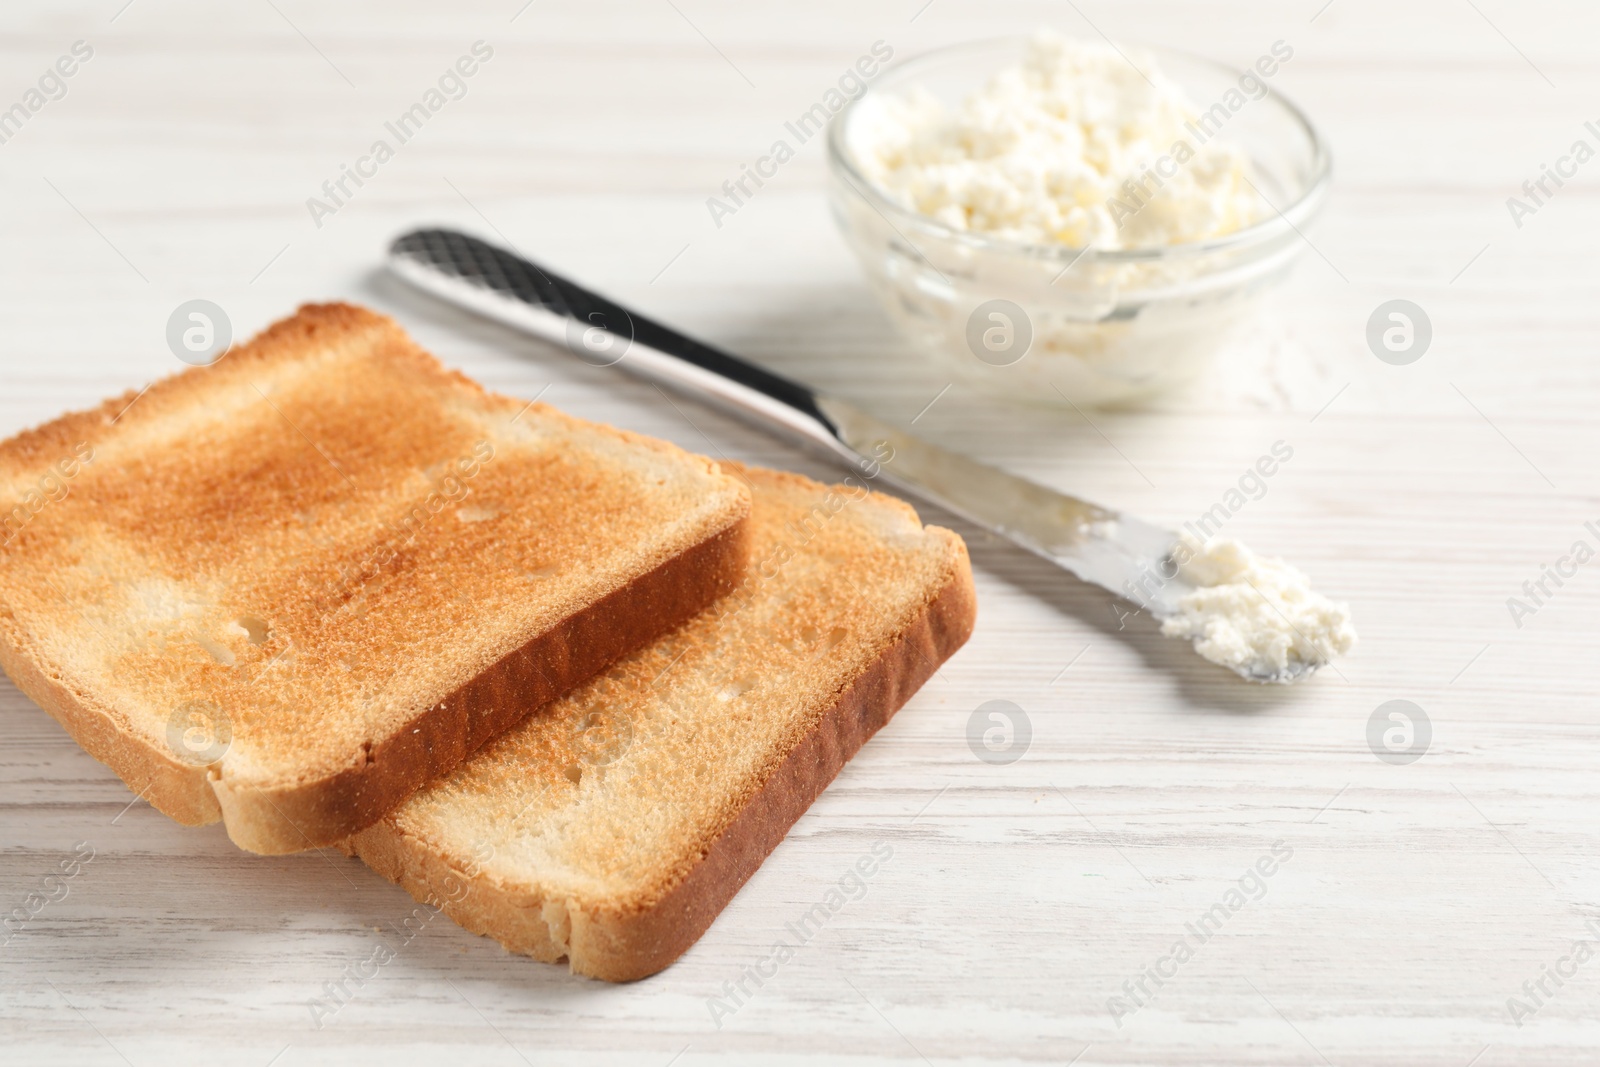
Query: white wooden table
[{"x": 1418, "y": 898}]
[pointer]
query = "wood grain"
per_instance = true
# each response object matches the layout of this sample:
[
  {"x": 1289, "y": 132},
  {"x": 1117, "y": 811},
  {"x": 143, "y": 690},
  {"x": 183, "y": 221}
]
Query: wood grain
[{"x": 1019, "y": 898}]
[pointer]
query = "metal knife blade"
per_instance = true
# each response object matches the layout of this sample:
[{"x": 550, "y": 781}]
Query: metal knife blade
[{"x": 1104, "y": 547}]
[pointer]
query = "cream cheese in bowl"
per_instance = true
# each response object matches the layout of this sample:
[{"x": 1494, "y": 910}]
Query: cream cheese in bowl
[
  {"x": 1066, "y": 221},
  {"x": 1072, "y": 145}
]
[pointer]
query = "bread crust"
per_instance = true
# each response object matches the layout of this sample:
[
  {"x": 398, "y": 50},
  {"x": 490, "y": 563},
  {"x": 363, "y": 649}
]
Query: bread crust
[
  {"x": 634, "y": 940},
  {"x": 324, "y": 806},
  {"x": 176, "y": 789}
]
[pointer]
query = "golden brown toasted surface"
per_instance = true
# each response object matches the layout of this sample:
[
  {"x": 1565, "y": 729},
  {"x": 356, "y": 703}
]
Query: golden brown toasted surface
[
  {"x": 299, "y": 552},
  {"x": 593, "y": 830}
]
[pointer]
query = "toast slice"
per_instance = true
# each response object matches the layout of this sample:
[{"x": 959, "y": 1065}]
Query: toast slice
[
  {"x": 288, "y": 589},
  {"x": 611, "y": 827}
]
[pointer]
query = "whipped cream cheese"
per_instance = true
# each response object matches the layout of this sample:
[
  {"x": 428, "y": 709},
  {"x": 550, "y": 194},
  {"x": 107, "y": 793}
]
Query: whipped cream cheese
[
  {"x": 1255, "y": 614},
  {"x": 1074, "y": 145}
]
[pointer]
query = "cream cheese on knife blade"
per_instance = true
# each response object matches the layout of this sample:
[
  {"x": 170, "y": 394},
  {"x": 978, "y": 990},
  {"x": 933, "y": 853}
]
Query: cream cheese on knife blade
[{"x": 1254, "y": 614}]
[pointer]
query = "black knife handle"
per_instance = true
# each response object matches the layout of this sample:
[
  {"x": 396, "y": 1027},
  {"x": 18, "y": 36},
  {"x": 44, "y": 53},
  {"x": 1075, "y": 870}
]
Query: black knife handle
[{"x": 597, "y": 330}]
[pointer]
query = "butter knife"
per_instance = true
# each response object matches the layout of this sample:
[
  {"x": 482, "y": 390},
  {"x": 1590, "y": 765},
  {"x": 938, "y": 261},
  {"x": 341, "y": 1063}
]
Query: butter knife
[{"x": 1130, "y": 558}]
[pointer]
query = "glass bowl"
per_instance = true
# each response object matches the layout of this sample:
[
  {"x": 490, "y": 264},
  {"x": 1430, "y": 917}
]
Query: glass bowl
[{"x": 1058, "y": 325}]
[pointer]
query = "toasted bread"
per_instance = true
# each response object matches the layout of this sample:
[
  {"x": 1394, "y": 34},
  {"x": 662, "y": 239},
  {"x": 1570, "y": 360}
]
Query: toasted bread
[
  {"x": 613, "y": 826},
  {"x": 288, "y": 589}
]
